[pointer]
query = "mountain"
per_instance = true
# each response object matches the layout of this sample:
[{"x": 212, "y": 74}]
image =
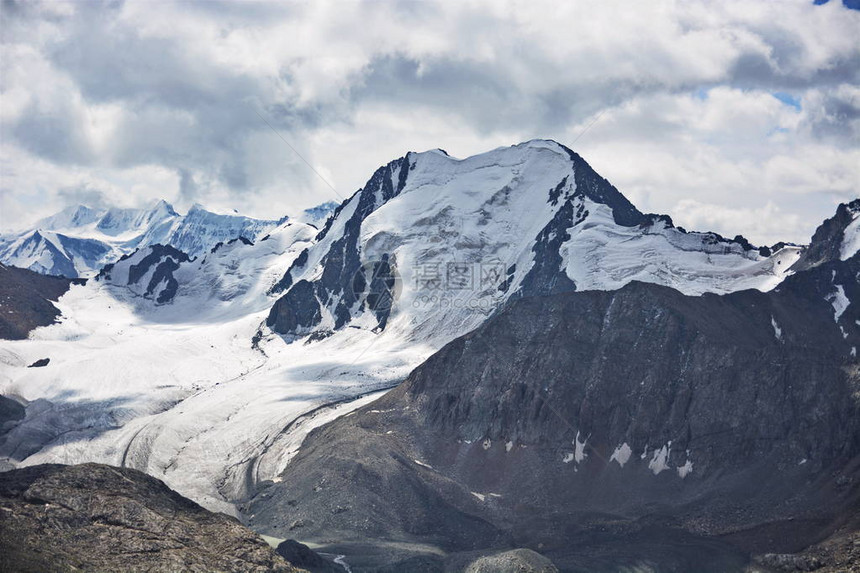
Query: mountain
[
  {"x": 610, "y": 429},
  {"x": 452, "y": 240},
  {"x": 147, "y": 272},
  {"x": 79, "y": 241},
  {"x": 318, "y": 215},
  {"x": 51, "y": 253},
  {"x": 238, "y": 271},
  {"x": 200, "y": 230},
  {"x": 98, "y": 518}
]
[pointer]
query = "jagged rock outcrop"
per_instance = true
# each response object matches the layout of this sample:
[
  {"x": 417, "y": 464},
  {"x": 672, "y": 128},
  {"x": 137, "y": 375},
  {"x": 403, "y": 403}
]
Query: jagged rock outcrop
[
  {"x": 26, "y": 301},
  {"x": 641, "y": 414},
  {"x": 148, "y": 272},
  {"x": 99, "y": 518},
  {"x": 830, "y": 241},
  {"x": 344, "y": 284}
]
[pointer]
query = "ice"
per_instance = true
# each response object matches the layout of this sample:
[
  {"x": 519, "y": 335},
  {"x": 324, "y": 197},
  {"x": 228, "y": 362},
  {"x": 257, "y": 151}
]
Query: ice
[
  {"x": 660, "y": 461},
  {"x": 621, "y": 454},
  {"x": 686, "y": 469},
  {"x": 777, "y": 331},
  {"x": 579, "y": 453},
  {"x": 117, "y": 231},
  {"x": 601, "y": 255},
  {"x": 839, "y": 302}
]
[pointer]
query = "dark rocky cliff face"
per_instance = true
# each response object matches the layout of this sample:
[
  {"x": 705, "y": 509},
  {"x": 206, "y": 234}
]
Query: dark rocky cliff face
[
  {"x": 344, "y": 282},
  {"x": 827, "y": 241},
  {"x": 98, "y": 518},
  {"x": 642, "y": 415},
  {"x": 25, "y": 300}
]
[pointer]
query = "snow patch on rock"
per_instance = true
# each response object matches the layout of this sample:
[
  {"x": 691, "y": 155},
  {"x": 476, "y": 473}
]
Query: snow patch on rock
[
  {"x": 686, "y": 469},
  {"x": 777, "y": 331},
  {"x": 621, "y": 454},
  {"x": 660, "y": 461},
  {"x": 839, "y": 302},
  {"x": 579, "y": 449}
]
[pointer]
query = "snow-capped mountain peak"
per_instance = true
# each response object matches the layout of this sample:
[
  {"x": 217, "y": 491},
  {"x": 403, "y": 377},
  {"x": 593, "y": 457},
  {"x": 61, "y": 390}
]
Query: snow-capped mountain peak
[
  {"x": 70, "y": 217},
  {"x": 530, "y": 219}
]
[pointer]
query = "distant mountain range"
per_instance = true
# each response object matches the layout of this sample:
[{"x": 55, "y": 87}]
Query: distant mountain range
[{"x": 78, "y": 241}]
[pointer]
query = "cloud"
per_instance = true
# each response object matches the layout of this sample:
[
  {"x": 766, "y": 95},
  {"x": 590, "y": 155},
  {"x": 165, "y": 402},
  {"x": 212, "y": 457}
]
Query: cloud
[
  {"x": 84, "y": 194},
  {"x": 769, "y": 219},
  {"x": 727, "y": 104}
]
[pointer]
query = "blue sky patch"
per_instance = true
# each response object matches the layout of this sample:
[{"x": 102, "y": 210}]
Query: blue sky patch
[
  {"x": 850, "y": 4},
  {"x": 788, "y": 99}
]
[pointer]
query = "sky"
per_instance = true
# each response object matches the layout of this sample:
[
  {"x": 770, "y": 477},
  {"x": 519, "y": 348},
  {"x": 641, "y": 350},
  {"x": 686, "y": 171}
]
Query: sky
[{"x": 741, "y": 117}]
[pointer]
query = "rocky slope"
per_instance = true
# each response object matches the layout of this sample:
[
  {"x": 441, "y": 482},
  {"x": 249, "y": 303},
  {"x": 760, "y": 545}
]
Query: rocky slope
[
  {"x": 608, "y": 429},
  {"x": 99, "y": 518},
  {"x": 26, "y": 301}
]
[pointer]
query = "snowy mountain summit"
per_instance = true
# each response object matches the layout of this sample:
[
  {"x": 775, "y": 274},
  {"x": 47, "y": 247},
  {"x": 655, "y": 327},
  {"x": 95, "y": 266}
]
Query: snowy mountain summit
[
  {"x": 79, "y": 240},
  {"x": 451, "y": 240}
]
